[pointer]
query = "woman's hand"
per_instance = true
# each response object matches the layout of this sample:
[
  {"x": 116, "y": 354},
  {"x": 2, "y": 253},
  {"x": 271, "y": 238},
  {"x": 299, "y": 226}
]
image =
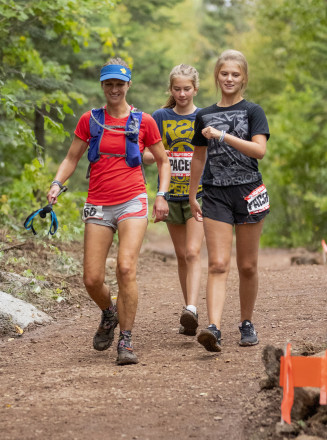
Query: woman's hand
[
  {"x": 196, "y": 210},
  {"x": 255, "y": 148},
  {"x": 53, "y": 194},
  {"x": 211, "y": 133}
]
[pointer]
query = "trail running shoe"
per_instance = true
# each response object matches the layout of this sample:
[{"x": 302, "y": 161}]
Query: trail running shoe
[
  {"x": 105, "y": 333},
  {"x": 188, "y": 332},
  {"x": 210, "y": 338},
  {"x": 248, "y": 334},
  {"x": 125, "y": 349},
  {"x": 189, "y": 321}
]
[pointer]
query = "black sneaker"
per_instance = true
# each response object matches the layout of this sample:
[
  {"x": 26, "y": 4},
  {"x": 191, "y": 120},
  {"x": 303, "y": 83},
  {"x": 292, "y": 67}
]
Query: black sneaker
[
  {"x": 248, "y": 334},
  {"x": 105, "y": 333},
  {"x": 125, "y": 349},
  {"x": 188, "y": 332},
  {"x": 189, "y": 321},
  {"x": 210, "y": 338}
]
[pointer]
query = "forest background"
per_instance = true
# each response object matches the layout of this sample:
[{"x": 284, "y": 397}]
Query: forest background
[{"x": 51, "y": 54}]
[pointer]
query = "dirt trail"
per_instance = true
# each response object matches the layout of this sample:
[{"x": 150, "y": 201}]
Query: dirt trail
[{"x": 55, "y": 386}]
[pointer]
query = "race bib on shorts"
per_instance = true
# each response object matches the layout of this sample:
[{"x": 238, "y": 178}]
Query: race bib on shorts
[
  {"x": 92, "y": 211},
  {"x": 180, "y": 163},
  {"x": 258, "y": 200}
]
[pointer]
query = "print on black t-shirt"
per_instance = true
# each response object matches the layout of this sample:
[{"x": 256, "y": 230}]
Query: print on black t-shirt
[{"x": 225, "y": 165}]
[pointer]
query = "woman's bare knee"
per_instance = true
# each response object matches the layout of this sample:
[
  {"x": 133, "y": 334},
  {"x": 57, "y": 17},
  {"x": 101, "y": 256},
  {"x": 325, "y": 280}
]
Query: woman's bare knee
[
  {"x": 248, "y": 270},
  {"x": 93, "y": 281},
  {"x": 218, "y": 267},
  {"x": 126, "y": 271},
  {"x": 192, "y": 255}
]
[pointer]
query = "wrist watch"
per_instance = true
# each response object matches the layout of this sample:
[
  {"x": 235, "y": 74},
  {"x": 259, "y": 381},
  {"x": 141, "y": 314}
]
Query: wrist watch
[
  {"x": 56, "y": 182},
  {"x": 165, "y": 195}
]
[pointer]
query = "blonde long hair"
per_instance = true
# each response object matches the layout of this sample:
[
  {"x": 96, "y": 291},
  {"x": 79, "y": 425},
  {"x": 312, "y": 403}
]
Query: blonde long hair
[
  {"x": 237, "y": 57},
  {"x": 181, "y": 70}
]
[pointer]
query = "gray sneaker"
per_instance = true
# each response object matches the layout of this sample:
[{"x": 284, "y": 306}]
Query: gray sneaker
[
  {"x": 189, "y": 322},
  {"x": 105, "y": 334},
  {"x": 125, "y": 351},
  {"x": 248, "y": 334},
  {"x": 210, "y": 338}
]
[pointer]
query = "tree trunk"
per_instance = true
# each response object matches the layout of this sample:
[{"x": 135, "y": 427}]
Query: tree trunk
[{"x": 39, "y": 132}]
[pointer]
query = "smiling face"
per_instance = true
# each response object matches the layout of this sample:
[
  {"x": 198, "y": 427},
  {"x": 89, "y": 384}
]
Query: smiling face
[
  {"x": 231, "y": 79},
  {"x": 115, "y": 90},
  {"x": 183, "y": 91}
]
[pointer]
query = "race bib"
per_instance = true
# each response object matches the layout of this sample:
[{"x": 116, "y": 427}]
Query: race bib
[
  {"x": 258, "y": 200},
  {"x": 180, "y": 163},
  {"x": 92, "y": 211}
]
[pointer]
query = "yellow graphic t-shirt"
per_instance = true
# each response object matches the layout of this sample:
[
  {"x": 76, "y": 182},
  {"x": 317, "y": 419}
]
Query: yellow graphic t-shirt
[{"x": 177, "y": 132}]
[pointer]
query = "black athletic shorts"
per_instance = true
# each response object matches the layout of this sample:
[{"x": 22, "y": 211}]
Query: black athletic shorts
[{"x": 237, "y": 204}]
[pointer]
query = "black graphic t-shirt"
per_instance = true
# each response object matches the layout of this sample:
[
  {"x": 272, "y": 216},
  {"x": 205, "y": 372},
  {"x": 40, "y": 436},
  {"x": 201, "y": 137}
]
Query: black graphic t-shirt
[{"x": 225, "y": 165}]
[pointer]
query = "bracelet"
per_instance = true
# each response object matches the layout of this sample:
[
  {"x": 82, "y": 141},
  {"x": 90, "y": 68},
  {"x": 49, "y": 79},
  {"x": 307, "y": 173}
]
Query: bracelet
[
  {"x": 222, "y": 136},
  {"x": 56, "y": 182}
]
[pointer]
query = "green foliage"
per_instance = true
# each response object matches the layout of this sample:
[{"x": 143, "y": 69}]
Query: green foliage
[
  {"x": 289, "y": 67},
  {"x": 295, "y": 173},
  {"x": 144, "y": 39},
  {"x": 35, "y": 76},
  {"x": 50, "y": 57},
  {"x": 151, "y": 173}
]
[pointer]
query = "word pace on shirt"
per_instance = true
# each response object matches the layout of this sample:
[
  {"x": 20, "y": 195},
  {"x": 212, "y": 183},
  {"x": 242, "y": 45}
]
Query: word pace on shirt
[{"x": 180, "y": 163}]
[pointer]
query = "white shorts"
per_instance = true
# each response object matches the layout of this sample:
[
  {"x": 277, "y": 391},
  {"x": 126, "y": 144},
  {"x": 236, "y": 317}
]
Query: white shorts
[{"x": 113, "y": 214}]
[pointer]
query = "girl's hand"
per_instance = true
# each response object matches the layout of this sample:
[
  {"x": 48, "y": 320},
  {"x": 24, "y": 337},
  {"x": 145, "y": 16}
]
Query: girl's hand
[
  {"x": 211, "y": 133},
  {"x": 196, "y": 210},
  {"x": 160, "y": 209}
]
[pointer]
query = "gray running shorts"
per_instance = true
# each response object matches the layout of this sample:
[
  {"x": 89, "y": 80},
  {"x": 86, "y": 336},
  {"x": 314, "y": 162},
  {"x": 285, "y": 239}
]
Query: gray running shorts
[{"x": 111, "y": 215}]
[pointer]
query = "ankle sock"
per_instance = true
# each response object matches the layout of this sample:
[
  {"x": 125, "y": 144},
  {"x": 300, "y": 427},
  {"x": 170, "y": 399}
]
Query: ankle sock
[
  {"x": 111, "y": 308},
  {"x": 123, "y": 333},
  {"x": 191, "y": 309}
]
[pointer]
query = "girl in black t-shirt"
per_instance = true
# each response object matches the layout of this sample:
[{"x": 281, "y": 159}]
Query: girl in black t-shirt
[{"x": 229, "y": 138}]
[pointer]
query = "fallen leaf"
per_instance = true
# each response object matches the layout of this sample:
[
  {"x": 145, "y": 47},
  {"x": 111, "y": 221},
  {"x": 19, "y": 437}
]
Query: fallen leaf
[{"x": 19, "y": 330}]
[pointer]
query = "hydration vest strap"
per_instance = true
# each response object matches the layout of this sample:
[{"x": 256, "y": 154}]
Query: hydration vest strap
[
  {"x": 108, "y": 127},
  {"x": 132, "y": 151}
]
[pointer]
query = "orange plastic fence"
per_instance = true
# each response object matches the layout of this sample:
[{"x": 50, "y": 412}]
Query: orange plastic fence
[{"x": 301, "y": 371}]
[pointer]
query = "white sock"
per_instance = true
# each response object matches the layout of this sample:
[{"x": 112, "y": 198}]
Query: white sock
[{"x": 191, "y": 309}]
